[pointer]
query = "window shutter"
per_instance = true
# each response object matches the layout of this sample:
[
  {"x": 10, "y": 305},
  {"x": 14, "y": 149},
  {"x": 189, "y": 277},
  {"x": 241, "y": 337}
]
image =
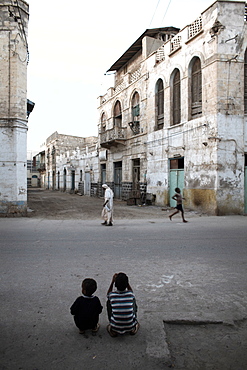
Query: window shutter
[
  {"x": 160, "y": 105},
  {"x": 176, "y": 99},
  {"x": 245, "y": 82},
  {"x": 196, "y": 89}
]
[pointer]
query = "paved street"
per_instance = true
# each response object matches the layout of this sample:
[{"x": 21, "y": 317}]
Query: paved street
[{"x": 189, "y": 280}]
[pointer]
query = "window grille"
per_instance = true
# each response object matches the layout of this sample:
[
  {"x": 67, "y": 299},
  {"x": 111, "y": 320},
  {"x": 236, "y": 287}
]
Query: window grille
[
  {"x": 175, "y": 43},
  {"x": 194, "y": 28},
  {"x": 135, "y": 75},
  {"x": 160, "y": 54},
  {"x": 119, "y": 87}
]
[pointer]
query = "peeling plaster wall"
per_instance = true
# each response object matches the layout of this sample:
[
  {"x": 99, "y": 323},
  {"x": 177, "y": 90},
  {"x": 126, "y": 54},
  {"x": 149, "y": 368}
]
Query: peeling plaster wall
[
  {"x": 212, "y": 145},
  {"x": 13, "y": 103}
]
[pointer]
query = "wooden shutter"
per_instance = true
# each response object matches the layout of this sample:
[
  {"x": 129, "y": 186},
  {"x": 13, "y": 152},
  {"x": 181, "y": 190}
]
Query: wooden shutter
[
  {"x": 160, "y": 105},
  {"x": 176, "y": 99},
  {"x": 196, "y": 89},
  {"x": 117, "y": 114},
  {"x": 245, "y": 82}
]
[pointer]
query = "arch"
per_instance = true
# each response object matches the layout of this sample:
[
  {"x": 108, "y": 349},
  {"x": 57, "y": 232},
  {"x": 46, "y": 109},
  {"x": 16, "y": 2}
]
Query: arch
[
  {"x": 103, "y": 122},
  {"x": 195, "y": 88},
  {"x": 175, "y": 97},
  {"x": 117, "y": 114},
  {"x": 135, "y": 113},
  {"x": 159, "y": 104},
  {"x": 135, "y": 106}
]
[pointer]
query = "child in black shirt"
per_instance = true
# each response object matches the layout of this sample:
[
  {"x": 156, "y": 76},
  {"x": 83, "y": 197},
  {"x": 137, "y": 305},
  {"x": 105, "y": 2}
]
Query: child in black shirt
[{"x": 86, "y": 308}]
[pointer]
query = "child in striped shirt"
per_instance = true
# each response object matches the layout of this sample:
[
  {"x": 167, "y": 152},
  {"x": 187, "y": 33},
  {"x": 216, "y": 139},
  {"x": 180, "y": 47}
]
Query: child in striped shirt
[{"x": 121, "y": 307}]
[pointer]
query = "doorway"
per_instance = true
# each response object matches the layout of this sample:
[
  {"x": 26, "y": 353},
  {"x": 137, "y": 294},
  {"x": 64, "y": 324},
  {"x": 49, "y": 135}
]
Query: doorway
[
  {"x": 103, "y": 173},
  {"x": 73, "y": 180},
  {"x": 136, "y": 174},
  {"x": 87, "y": 186},
  {"x": 176, "y": 178},
  {"x": 64, "y": 179},
  {"x": 53, "y": 180},
  {"x": 117, "y": 180}
]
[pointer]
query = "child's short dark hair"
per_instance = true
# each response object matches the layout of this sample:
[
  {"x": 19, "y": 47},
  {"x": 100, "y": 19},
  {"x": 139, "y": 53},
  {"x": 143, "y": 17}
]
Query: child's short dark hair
[
  {"x": 121, "y": 281},
  {"x": 89, "y": 286},
  {"x": 177, "y": 190}
]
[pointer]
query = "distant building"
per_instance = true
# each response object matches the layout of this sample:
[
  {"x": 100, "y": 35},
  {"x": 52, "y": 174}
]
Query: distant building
[
  {"x": 72, "y": 163},
  {"x": 39, "y": 165},
  {"x": 176, "y": 116},
  {"x": 13, "y": 107}
]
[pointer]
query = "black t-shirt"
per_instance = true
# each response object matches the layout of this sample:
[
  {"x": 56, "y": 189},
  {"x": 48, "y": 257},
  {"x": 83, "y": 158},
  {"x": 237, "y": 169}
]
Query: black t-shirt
[{"x": 86, "y": 312}]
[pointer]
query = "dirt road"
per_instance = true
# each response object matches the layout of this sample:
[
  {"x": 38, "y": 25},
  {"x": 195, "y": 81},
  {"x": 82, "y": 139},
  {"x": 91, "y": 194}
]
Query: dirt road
[{"x": 63, "y": 206}]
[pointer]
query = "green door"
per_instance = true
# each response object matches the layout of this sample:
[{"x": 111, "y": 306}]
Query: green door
[{"x": 176, "y": 181}]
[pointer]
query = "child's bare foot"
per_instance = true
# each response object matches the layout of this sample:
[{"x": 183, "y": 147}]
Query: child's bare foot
[
  {"x": 170, "y": 217},
  {"x": 185, "y": 221}
]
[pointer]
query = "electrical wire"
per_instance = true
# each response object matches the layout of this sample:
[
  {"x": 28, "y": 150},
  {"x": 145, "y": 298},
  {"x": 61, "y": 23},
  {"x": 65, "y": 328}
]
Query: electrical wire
[
  {"x": 161, "y": 21},
  {"x": 154, "y": 13}
]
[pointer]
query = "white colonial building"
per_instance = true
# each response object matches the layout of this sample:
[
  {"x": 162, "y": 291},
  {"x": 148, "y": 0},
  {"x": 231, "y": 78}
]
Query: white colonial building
[
  {"x": 71, "y": 163},
  {"x": 177, "y": 114}
]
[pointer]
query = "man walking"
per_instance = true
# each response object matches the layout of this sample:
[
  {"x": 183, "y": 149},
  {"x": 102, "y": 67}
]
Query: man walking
[{"x": 107, "y": 213}]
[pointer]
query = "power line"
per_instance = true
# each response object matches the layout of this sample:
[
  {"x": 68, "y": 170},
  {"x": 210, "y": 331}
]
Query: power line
[
  {"x": 166, "y": 12},
  {"x": 154, "y": 13}
]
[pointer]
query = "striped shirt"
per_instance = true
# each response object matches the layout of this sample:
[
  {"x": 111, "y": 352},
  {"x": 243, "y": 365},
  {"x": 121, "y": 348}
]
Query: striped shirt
[{"x": 123, "y": 311}]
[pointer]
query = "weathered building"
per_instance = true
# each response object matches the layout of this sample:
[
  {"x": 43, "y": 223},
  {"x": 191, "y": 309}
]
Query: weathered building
[
  {"x": 177, "y": 114},
  {"x": 72, "y": 163},
  {"x": 13, "y": 107},
  {"x": 38, "y": 164}
]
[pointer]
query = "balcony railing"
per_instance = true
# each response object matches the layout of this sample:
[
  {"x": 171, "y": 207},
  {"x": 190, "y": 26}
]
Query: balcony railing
[
  {"x": 41, "y": 167},
  {"x": 113, "y": 137}
]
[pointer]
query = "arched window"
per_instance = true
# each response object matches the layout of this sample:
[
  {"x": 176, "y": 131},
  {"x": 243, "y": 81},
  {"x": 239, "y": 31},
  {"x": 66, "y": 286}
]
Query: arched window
[
  {"x": 245, "y": 82},
  {"x": 176, "y": 99},
  {"x": 103, "y": 122},
  {"x": 117, "y": 114},
  {"x": 159, "y": 103},
  {"x": 196, "y": 89},
  {"x": 135, "y": 111}
]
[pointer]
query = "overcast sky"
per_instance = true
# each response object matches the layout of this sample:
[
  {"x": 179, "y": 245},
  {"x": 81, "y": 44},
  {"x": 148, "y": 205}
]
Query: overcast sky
[{"x": 73, "y": 44}]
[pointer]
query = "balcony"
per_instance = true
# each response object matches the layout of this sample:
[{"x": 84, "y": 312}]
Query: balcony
[
  {"x": 41, "y": 167},
  {"x": 113, "y": 137}
]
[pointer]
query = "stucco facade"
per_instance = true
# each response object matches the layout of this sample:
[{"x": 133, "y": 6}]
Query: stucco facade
[
  {"x": 176, "y": 115},
  {"x": 13, "y": 107}
]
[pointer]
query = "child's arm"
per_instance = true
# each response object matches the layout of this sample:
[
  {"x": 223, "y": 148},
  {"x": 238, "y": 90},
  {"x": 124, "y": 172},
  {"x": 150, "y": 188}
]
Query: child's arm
[
  {"x": 112, "y": 283},
  {"x": 73, "y": 308}
]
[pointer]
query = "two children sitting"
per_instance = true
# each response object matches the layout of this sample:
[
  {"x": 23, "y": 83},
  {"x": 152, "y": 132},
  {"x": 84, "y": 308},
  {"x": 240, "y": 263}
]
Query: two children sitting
[{"x": 121, "y": 307}]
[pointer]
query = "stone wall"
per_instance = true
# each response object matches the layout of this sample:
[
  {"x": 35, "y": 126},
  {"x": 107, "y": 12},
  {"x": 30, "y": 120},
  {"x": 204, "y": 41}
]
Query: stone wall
[{"x": 13, "y": 107}]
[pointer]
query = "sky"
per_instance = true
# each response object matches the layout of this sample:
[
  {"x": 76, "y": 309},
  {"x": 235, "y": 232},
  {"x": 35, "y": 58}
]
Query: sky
[{"x": 71, "y": 47}]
